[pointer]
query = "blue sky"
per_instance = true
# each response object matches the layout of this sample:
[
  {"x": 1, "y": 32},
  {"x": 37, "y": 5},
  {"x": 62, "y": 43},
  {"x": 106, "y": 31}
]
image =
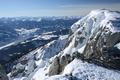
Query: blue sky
[{"x": 13, "y": 8}]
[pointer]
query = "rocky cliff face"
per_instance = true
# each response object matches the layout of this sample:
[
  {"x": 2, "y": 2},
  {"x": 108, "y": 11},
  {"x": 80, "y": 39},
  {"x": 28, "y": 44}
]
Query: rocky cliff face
[{"x": 95, "y": 38}]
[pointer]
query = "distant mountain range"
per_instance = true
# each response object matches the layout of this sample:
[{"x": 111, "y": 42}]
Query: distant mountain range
[{"x": 21, "y": 28}]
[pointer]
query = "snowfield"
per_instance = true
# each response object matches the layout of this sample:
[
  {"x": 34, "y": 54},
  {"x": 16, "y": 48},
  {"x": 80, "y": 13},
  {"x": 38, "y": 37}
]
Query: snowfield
[
  {"x": 79, "y": 70},
  {"x": 86, "y": 71}
]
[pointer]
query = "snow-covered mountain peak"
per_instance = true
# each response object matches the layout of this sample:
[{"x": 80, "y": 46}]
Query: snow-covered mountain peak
[
  {"x": 100, "y": 18},
  {"x": 104, "y": 11},
  {"x": 94, "y": 38}
]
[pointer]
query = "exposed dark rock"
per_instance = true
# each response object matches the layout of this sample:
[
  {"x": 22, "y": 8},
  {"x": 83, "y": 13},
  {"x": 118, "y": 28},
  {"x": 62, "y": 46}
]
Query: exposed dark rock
[
  {"x": 23, "y": 60},
  {"x": 3, "y": 75},
  {"x": 103, "y": 52},
  {"x": 15, "y": 71}
]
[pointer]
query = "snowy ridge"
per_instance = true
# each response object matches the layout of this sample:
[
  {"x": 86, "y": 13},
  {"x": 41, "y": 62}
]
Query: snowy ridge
[{"x": 102, "y": 17}]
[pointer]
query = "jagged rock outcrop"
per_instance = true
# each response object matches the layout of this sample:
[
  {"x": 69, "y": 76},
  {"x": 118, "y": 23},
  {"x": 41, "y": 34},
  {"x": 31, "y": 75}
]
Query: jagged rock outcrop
[
  {"x": 54, "y": 68},
  {"x": 58, "y": 64}
]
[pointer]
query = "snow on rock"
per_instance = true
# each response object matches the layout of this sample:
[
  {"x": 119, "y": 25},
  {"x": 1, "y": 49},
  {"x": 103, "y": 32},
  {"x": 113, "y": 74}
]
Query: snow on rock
[
  {"x": 81, "y": 49},
  {"x": 36, "y": 61},
  {"x": 79, "y": 70},
  {"x": 92, "y": 37},
  {"x": 51, "y": 48},
  {"x": 118, "y": 45},
  {"x": 102, "y": 17},
  {"x": 90, "y": 25},
  {"x": 23, "y": 78},
  {"x": 47, "y": 53},
  {"x": 45, "y": 37}
]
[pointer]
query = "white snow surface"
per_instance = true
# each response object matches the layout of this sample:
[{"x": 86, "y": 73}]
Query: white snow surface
[
  {"x": 45, "y": 37},
  {"x": 24, "y": 31},
  {"x": 103, "y": 18},
  {"x": 118, "y": 45},
  {"x": 51, "y": 49},
  {"x": 86, "y": 71},
  {"x": 79, "y": 70}
]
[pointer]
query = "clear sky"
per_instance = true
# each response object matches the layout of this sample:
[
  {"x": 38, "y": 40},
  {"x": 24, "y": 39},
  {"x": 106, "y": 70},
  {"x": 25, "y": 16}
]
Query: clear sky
[{"x": 13, "y": 8}]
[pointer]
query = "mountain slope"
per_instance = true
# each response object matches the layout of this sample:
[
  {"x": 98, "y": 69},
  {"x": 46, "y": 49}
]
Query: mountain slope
[
  {"x": 95, "y": 38},
  {"x": 28, "y": 65}
]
